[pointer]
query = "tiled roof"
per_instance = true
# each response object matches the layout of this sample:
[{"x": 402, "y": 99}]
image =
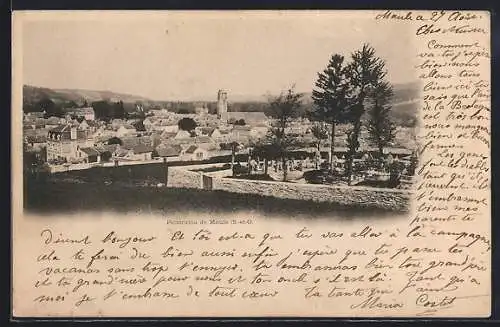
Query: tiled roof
[
  {"x": 61, "y": 128},
  {"x": 168, "y": 134},
  {"x": 109, "y": 147},
  {"x": 169, "y": 150},
  {"x": 207, "y": 130},
  {"x": 142, "y": 148},
  {"x": 191, "y": 149},
  {"x": 183, "y": 134},
  {"x": 90, "y": 151},
  {"x": 204, "y": 139},
  {"x": 242, "y": 128}
]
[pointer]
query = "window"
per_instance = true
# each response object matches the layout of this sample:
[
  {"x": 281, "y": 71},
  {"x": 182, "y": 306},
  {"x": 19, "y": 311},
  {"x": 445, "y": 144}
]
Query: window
[{"x": 199, "y": 155}]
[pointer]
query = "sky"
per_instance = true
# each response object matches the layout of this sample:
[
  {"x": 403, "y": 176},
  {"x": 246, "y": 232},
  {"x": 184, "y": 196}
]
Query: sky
[{"x": 180, "y": 56}]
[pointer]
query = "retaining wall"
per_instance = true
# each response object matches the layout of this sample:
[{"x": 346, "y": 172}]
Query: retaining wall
[
  {"x": 181, "y": 177},
  {"x": 392, "y": 199}
]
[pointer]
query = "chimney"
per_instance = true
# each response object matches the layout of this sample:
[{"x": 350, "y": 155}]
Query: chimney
[{"x": 73, "y": 133}]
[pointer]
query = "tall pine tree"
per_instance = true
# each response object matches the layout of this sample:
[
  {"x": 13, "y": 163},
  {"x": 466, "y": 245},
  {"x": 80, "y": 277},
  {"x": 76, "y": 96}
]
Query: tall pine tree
[
  {"x": 331, "y": 97},
  {"x": 380, "y": 127},
  {"x": 365, "y": 71}
]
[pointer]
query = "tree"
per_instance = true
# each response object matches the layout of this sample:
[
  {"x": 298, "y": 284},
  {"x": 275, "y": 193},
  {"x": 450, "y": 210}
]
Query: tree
[
  {"x": 106, "y": 111},
  {"x": 320, "y": 133},
  {"x": 266, "y": 150},
  {"x": 365, "y": 71},
  {"x": 380, "y": 127},
  {"x": 284, "y": 108},
  {"x": 234, "y": 148},
  {"x": 71, "y": 104},
  {"x": 115, "y": 140},
  {"x": 187, "y": 124},
  {"x": 118, "y": 110},
  {"x": 50, "y": 108},
  {"x": 139, "y": 126},
  {"x": 102, "y": 110},
  {"x": 240, "y": 122},
  {"x": 331, "y": 97}
]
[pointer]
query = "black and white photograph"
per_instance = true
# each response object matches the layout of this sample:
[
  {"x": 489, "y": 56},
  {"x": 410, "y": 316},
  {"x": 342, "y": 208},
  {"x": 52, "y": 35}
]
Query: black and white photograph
[
  {"x": 275, "y": 114},
  {"x": 258, "y": 163}
]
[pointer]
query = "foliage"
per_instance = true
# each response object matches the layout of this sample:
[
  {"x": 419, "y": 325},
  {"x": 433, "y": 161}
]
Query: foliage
[
  {"x": 320, "y": 133},
  {"x": 380, "y": 127},
  {"x": 365, "y": 71},
  {"x": 412, "y": 167},
  {"x": 240, "y": 122},
  {"x": 115, "y": 140},
  {"x": 107, "y": 111},
  {"x": 283, "y": 109},
  {"x": 139, "y": 126},
  {"x": 331, "y": 96},
  {"x": 187, "y": 124},
  {"x": 48, "y": 106},
  {"x": 395, "y": 171}
]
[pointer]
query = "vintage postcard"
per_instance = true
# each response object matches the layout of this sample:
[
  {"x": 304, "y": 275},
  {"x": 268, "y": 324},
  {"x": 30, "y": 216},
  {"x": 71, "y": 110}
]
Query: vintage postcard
[{"x": 251, "y": 164}]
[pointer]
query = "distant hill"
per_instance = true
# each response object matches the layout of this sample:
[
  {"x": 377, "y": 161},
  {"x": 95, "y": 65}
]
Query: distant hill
[
  {"x": 405, "y": 100},
  {"x": 32, "y": 94}
]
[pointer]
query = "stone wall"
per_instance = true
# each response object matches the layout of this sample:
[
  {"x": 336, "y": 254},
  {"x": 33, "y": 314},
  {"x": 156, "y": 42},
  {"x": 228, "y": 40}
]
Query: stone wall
[
  {"x": 181, "y": 177},
  {"x": 390, "y": 199}
]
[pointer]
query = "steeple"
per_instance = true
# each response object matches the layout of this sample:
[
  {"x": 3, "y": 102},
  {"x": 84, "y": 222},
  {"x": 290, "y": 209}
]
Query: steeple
[{"x": 222, "y": 105}]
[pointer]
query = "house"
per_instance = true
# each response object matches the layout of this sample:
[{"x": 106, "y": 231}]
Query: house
[
  {"x": 170, "y": 128},
  {"x": 241, "y": 133},
  {"x": 35, "y": 123},
  {"x": 64, "y": 142},
  {"x": 83, "y": 125},
  {"x": 172, "y": 151},
  {"x": 168, "y": 135},
  {"x": 35, "y": 142},
  {"x": 53, "y": 122},
  {"x": 89, "y": 155},
  {"x": 182, "y": 135},
  {"x": 125, "y": 130},
  {"x": 222, "y": 135},
  {"x": 34, "y": 115},
  {"x": 35, "y": 139},
  {"x": 122, "y": 153},
  {"x": 258, "y": 131},
  {"x": 203, "y": 139},
  {"x": 398, "y": 153},
  {"x": 212, "y": 132},
  {"x": 147, "y": 122},
  {"x": 85, "y": 113},
  {"x": 250, "y": 118},
  {"x": 142, "y": 152},
  {"x": 195, "y": 153},
  {"x": 111, "y": 148},
  {"x": 201, "y": 110}
]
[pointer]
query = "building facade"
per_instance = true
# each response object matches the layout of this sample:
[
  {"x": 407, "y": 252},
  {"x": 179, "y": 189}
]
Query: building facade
[{"x": 64, "y": 143}]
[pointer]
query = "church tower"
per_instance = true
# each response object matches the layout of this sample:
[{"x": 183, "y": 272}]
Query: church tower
[{"x": 222, "y": 105}]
